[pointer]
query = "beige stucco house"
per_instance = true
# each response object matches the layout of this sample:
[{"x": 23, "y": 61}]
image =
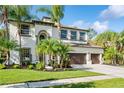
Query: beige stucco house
[{"x": 32, "y": 32}]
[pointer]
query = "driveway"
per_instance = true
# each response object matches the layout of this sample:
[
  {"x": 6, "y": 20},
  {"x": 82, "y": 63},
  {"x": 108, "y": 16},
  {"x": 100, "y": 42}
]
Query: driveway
[{"x": 105, "y": 69}]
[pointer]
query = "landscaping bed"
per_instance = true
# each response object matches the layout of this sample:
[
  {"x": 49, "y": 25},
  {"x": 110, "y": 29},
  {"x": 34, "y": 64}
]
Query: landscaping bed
[
  {"x": 10, "y": 76},
  {"x": 107, "y": 83}
]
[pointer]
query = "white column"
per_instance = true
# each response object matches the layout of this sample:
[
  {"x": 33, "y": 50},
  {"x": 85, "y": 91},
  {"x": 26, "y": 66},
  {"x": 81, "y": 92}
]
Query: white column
[
  {"x": 58, "y": 59},
  {"x": 86, "y": 37},
  {"x": 100, "y": 59},
  {"x": 68, "y": 34},
  {"x": 47, "y": 59},
  {"x": 78, "y": 35},
  {"x": 88, "y": 59}
]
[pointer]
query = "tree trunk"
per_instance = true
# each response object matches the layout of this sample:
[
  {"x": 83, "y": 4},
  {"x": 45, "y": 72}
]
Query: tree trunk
[
  {"x": 7, "y": 30},
  {"x": 59, "y": 28}
]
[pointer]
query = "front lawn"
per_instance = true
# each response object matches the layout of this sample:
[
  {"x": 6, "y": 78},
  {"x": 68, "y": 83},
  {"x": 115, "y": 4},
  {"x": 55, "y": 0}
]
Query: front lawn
[
  {"x": 108, "y": 83},
  {"x": 9, "y": 76}
]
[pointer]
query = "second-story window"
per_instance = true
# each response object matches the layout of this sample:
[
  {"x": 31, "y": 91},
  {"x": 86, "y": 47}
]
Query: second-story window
[
  {"x": 63, "y": 34},
  {"x": 82, "y": 36},
  {"x": 24, "y": 29},
  {"x": 73, "y": 35}
]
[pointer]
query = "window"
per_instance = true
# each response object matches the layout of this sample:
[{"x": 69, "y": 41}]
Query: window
[
  {"x": 63, "y": 34},
  {"x": 24, "y": 29},
  {"x": 82, "y": 36},
  {"x": 25, "y": 54},
  {"x": 73, "y": 35}
]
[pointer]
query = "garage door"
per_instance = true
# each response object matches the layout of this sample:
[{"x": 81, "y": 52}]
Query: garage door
[
  {"x": 95, "y": 58},
  {"x": 77, "y": 58}
]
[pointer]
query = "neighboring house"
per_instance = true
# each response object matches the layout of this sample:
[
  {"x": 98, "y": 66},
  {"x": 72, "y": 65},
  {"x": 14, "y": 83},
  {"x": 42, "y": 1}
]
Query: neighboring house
[{"x": 34, "y": 31}]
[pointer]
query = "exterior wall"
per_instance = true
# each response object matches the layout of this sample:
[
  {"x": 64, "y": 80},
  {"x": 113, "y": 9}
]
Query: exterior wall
[
  {"x": 55, "y": 33},
  {"x": 14, "y": 55},
  {"x": 31, "y": 42},
  {"x": 39, "y": 28},
  {"x": 88, "y": 52},
  {"x": 26, "y": 41}
]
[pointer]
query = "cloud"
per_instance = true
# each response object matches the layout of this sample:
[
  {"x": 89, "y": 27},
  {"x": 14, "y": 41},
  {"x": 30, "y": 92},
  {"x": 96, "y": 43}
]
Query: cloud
[
  {"x": 97, "y": 25},
  {"x": 113, "y": 11},
  {"x": 100, "y": 26},
  {"x": 81, "y": 24}
]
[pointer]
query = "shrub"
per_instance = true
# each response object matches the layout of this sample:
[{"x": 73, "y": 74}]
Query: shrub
[
  {"x": 26, "y": 63},
  {"x": 54, "y": 64},
  {"x": 1, "y": 60},
  {"x": 30, "y": 66},
  {"x": 16, "y": 66},
  {"x": 51, "y": 63},
  {"x": 40, "y": 66},
  {"x": 2, "y": 66}
]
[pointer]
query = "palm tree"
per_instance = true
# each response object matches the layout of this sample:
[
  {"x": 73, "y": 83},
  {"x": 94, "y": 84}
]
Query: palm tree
[
  {"x": 120, "y": 46},
  {"x": 56, "y": 12},
  {"x": 110, "y": 54},
  {"x": 54, "y": 48},
  {"x": 4, "y": 14},
  {"x": 108, "y": 37},
  {"x": 17, "y": 12},
  {"x": 48, "y": 47},
  {"x": 114, "y": 45},
  {"x": 7, "y": 45},
  {"x": 4, "y": 9},
  {"x": 63, "y": 50}
]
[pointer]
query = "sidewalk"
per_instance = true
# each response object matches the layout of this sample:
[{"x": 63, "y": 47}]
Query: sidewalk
[{"x": 56, "y": 82}]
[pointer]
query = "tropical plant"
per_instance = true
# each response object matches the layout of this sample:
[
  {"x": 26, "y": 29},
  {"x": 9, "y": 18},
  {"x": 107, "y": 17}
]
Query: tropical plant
[
  {"x": 54, "y": 48},
  {"x": 30, "y": 66},
  {"x": 2, "y": 66},
  {"x": 4, "y": 15},
  {"x": 7, "y": 45},
  {"x": 110, "y": 55},
  {"x": 17, "y": 12},
  {"x": 48, "y": 47},
  {"x": 16, "y": 66},
  {"x": 63, "y": 51},
  {"x": 40, "y": 66},
  {"x": 113, "y": 43},
  {"x": 4, "y": 10},
  {"x": 108, "y": 37}
]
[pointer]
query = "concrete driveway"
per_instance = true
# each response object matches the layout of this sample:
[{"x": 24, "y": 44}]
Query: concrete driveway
[{"x": 105, "y": 69}]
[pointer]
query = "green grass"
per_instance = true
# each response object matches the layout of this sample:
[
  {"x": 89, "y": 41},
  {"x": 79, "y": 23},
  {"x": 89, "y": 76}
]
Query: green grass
[
  {"x": 107, "y": 83},
  {"x": 9, "y": 76}
]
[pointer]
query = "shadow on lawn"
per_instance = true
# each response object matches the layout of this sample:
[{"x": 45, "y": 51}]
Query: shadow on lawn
[{"x": 77, "y": 85}]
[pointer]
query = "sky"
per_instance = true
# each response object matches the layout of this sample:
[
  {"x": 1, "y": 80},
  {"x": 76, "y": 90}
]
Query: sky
[{"x": 98, "y": 17}]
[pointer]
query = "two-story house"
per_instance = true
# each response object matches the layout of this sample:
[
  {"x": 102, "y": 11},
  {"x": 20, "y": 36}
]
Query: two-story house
[{"x": 33, "y": 31}]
